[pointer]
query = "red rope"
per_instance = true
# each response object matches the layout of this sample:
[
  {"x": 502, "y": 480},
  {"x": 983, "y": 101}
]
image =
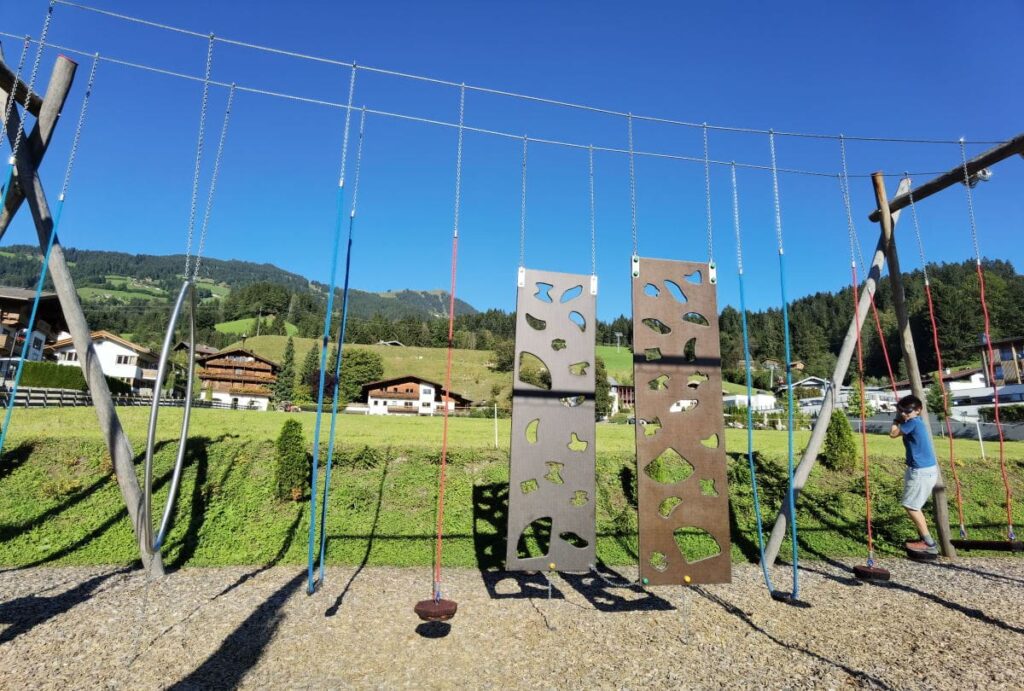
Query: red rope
[
  {"x": 863, "y": 409},
  {"x": 995, "y": 400},
  {"x": 945, "y": 407},
  {"x": 444, "y": 435}
]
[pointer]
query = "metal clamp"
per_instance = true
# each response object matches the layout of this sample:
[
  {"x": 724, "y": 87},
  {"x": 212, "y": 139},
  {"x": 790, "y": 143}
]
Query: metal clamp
[
  {"x": 151, "y": 544},
  {"x": 636, "y": 266}
]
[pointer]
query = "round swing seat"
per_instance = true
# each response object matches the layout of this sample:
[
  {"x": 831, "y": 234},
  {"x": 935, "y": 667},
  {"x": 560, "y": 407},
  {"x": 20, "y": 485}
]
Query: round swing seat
[
  {"x": 436, "y": 610},
  {"x": 788, "y": 599},
  {"x": 871, "y": 573},
  {"x": 918, "y": 555}
]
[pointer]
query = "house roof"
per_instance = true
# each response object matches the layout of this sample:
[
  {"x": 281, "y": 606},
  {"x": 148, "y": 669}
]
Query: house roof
[
  {"x": 49, "y": 305},
  {"x": 233, "y": 351},
  {"x": 412, "y": 378},
  {"x": 105, "y": 336},
  {"x": 24, "y": 294},
  {"x": 1003, "y": 341},
  {"x": 948, "y": 376},
  {"x": 201, "y": 348}
]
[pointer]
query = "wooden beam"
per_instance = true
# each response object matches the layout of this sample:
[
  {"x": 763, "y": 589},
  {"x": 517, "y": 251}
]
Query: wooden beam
[
  {"x": 117, "y": 442},
  {"x": 7, "y": 83},
  {"x": 828, "y": 404},
  {"x": 984, "y": 160},
  {"x": 910, "y": 355}
]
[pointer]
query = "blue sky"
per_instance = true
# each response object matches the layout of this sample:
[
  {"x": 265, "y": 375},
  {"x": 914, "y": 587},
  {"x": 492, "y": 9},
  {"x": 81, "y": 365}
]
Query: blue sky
[{"x": 920, "y": 70}]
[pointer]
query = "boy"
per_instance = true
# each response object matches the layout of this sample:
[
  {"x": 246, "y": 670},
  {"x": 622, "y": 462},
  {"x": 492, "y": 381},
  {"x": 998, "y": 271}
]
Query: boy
[{"x": 922, "y": 470}]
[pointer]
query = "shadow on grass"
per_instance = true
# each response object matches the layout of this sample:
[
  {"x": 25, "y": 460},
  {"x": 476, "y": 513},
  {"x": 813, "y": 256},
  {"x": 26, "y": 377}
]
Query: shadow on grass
[
  {"x": 859, "y": 675},
  {"x": 15, "y": 458},
  {"x": 25, "y": 613}
]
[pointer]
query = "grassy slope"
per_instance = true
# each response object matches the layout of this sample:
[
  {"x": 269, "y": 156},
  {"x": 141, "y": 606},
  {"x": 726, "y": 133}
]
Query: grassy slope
[
  {"x": 59, "y": 505},
  {"x": 619, "y": 364},
  {"x": 247, "y": 324},
  {"x": 470, "y": 374}
]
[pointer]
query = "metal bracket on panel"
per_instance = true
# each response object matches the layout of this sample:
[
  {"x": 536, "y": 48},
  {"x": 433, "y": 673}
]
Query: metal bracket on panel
[
  {"x": 521, "y": 281},
  {"x": 593, "y": 285},
  {"x": 712, "y": 273},
  {"x": 636, "y": 266}
]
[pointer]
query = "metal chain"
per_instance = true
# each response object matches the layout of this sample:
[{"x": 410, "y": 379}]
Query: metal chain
[
  {"x": 522, "y": 208},
  {"x": 348, "y": 120},
  {"x": 213, "y": 182},
  {"x": 775, "y": 190},
  {"x": 78, "y": 128},
  {"x": 707, "y": 195},
  {"x": 917, "y": 227},
  {"x": 32, "y": 79},
  {"x": 359, "y": 161},
  {"x": 736, "y": 220},
  {"x": 970, "y": 201},
  {"x": 17, "y": 78},
  {"x": 593, "y": 215},
  {"x": 199, "y": 155},
  {"x": 458, "y": 160},
  {"x": 844, "y": 186},
  {"x": 632, "y": 184}
]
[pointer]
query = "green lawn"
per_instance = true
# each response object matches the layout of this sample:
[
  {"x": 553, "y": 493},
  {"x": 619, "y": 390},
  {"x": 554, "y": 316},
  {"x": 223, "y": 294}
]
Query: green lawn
[
  {"x": 248, "y": 326},
  {"x": 92, "y": 293},
  {"x": 219, "y": 290},
  {"x": 619, "y": 363},
  {"x": 60, "y": 505}
]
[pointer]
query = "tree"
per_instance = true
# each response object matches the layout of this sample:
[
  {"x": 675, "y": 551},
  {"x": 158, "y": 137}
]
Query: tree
[
  {"x": 602, "y": 390},
  {"x": 853, "y": 400},
  {"x": 936, "y": 402},
  {"x": 359, "y": 367},
  {"x": 308, "y": 382},
  {"x": 839, "y": 452},
  {"x": 284, "y": 388},
  {"x": 291, "y": 470},
  {"x": 504, "y": 356},
  {"x": 332, "y": 360}
]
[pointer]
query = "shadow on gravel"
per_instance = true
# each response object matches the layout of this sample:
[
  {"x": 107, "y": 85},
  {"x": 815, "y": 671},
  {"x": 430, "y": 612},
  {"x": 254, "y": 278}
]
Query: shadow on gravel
[
  {"x": 242, "y": 649},
  {"x": 333, "y": 609},
  {"x": 987, "y": 575},
  {"x": 859, "y": 675},
  {"x": 434, "y": 629},
  {"x": 25, "y": 613},
  {"x": 604, "y": 594}
]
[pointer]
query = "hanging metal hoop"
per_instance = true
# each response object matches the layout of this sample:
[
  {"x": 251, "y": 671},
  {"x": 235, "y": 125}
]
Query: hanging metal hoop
[{"x": 154, "y": 545}]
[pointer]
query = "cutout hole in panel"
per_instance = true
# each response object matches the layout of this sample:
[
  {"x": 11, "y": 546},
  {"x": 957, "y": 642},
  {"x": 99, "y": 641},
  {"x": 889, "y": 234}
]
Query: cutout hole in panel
[
  {"x": 554, "y": 473},
  {"x": 543, "y": 292},
  {"x": 711, "y": 442},
  {"x": 694, "y": 278},
  {"x": 572, "y": 401},
  {"x": 579, "y": 498},
  {"x": 573, "y": 539},
  {"x": 533, "y": 371},
  {"x": 668, "y": 506},
  {"x": 660, "y": 383},
  {"x": 528, "y": 486},
  {"x": 535, "y": 540},
  {"x": 696, "y": 318},
  {"x": 682, "y": 406},
  {"x": 668, "y": 468},
  {"x": 531, "y": 430},
  {"x": 707, "y": 487},
  {"x": 651, "y": 290},
  {"x": 676, "y": 291},
  {"x": 576, "y": 444},
  {"x": 652, "y": 354},
  {"x": 578, "y": 319},
  {"x": 690, "y": 350},
  {"x": 651, "y": 427},
  {"x": 571, "y": 294},
  {"x": 695, "y": 380},
  {"x": 579, "y": 369},
  {"x": 656, "y": 325},
  {"x": 696, "y": 544},
  {"x": 658, "y": 561},
  {"x": 538, "y": 324},
  {"x": 558, "y": 344}
]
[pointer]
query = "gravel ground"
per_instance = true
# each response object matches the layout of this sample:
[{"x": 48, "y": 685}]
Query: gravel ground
[{"x": 943, "y": 625}]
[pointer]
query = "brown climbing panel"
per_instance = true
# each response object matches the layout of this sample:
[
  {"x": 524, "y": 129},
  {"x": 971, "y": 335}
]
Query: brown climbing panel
[
  {"x": 680, "y": 435},
  {"x": 551, "y": 475}
]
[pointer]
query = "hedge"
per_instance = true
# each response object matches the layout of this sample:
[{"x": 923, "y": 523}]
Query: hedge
[{"x": 49, "y": 375}]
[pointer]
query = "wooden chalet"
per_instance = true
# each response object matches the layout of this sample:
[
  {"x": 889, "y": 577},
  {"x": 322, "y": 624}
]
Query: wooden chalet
[{"x": 238, "y": 378}]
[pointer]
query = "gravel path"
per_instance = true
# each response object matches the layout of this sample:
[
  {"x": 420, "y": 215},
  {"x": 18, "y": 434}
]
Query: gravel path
[{"x": 936, "y": 626}]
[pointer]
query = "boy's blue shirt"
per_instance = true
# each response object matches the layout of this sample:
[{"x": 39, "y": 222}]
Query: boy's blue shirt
[{"x": 917, "y": 444}]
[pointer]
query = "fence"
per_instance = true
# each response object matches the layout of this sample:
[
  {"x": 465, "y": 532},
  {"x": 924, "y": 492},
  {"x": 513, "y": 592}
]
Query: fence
[
  {"x": 36, "y": 397},
  {"x": 880, "y": 424}
]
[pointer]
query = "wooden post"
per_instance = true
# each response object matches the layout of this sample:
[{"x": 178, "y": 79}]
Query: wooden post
[
  {"x": 31, "y": 186},
  {"x": 910, "y": 354},
  {"x": 828, "y": 404}
]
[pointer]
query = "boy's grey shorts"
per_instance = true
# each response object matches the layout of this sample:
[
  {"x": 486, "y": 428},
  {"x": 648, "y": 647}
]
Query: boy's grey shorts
[{"x": 917, "y": 486}]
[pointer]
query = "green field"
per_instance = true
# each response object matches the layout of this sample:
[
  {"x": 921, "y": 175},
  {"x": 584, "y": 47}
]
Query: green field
[
  {"x": 219, "y": 290},
  {"x": 60, "y": 505},
  {"x": 248, "y": 325},
  {"x": 619, "y": 363},
  {"x": 91, "y": 293}
]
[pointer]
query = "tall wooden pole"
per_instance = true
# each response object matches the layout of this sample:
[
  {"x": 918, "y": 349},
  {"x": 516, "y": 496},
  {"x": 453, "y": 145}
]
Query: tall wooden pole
[
  {"x": 31, "y": 187},
  {"x": 910, "y": 354},
  {"x": 828, "y": 404}
]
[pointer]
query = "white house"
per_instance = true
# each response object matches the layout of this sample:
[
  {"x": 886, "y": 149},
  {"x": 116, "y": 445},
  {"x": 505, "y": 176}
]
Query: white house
[
  {"x": 15, "y": 312},
  {"x": 623, "y": 395},
  {"x": 409, "y": 395},
  {"x": 758, "y": 401},
  {"x": 119, "y": 359}
]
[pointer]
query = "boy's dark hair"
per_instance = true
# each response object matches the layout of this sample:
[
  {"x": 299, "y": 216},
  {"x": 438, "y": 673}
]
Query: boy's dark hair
[{"x": 909, "y": 404}]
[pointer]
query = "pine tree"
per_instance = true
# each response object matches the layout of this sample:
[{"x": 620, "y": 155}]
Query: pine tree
[
  {"x": 840, "y": 450},
  {"x": 308, "y": 383},
  {"x": 935, "y": 400},
  {"x": 602, "y": 390},
  {"x": 284, "y": 388}
]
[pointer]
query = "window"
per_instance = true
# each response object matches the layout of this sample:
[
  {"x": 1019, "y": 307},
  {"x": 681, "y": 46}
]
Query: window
[
  {"x": 125, "y": 360},
  {"x": 425, "y": 404},
  {"x": 71, "y": 356},
  {"x": 427, "y": 390},
  {"x": 408, "y": 404},
  {"x": 999, "y": 371},
  {"x": 1005, "y": 354},
  {"x": 37, "y": 343}
]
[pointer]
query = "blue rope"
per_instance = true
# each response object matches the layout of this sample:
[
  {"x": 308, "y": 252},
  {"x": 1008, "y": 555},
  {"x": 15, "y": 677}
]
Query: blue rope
[
  {"x": 750, "y": 440},
  {"x": 790, "y": 495},
  {"x": 311, "y": 583},
  {"x": 334, "y": 401},
  {"x": 31, "y": 319}
]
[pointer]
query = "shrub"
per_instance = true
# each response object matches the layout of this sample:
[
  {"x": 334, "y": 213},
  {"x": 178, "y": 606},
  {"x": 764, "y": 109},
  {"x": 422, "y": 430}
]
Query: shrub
[
  {"x": 292, "y": 467},
  {"x": 840, "y": 450},
  {"x": 49, "y": 375}
]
